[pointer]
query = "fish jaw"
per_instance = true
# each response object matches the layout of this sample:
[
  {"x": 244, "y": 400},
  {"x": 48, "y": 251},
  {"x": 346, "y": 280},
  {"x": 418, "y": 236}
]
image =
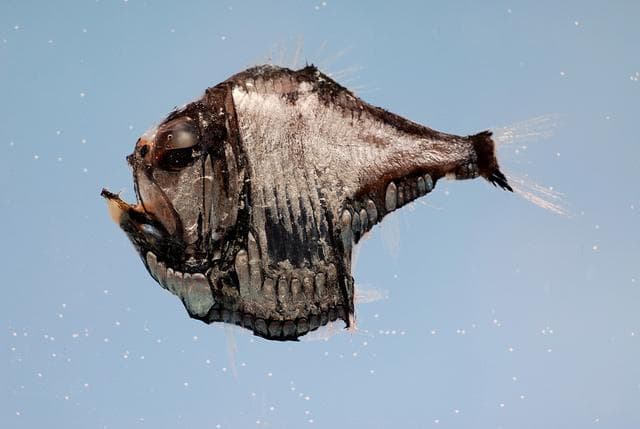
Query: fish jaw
[{"x": 145, "y": 232}]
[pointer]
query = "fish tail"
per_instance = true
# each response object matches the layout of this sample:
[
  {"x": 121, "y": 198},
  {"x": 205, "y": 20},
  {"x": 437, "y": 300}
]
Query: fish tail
[{"x": 488, "y": 167}]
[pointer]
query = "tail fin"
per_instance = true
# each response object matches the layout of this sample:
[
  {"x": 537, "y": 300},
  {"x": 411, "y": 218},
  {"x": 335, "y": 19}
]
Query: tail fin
[{"x": 487, "y": 161}]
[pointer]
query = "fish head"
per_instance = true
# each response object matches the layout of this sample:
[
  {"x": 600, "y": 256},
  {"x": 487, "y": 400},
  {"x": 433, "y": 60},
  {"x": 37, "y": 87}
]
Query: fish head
[{"x": 187, "y": 193}]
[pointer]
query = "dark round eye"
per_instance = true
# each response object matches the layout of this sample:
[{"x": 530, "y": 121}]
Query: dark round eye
[
  {"x": 176, "y": 144},
  {"x": 144, "y": 150},
  {"x": 176, "y": 159}
]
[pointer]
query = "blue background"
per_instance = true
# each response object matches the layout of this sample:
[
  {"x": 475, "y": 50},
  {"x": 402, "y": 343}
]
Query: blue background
[{"x": 495, "y": 313}]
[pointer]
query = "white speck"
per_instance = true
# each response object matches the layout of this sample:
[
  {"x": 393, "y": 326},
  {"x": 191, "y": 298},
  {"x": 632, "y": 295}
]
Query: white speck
[
  {"x": 595, "y": 247},
  {"x": 58, "y": 132},
  {"x": 185, "y": 384},
  {"x": 436, "y": 421},
  {"x": 257, "y": 422},
  {"x": 509, "y": 11},
  {"x": 208, "y": 361},
  {"x": 82, "y": 94},
  {"x": 39, "y": 375},
  {"x": 106, "y": 340},
  {"x": 549, "y": 350},
  {"x": 501, "y": 405},
  {"x": 433, "y": 332},
  {"x": 85, "y": 170},
  {"x": 306, "y": 398},
  {"x": 224, "y": 369},
  {"x": 562, "y": 73},
  {"x": 11, "y": 143},
  {"x": 371, "y": 371},
  {"x": 456, "y": 411},
  {"x": 223, "y": 38},
  {"x": 521, "y": 396},
  {"x": 576, "y": 23},
  {"x": 35, "y": 157},
  {"x": 50, "y": 41},
  {"x": 83, "y": 141},
  {"x": 218, "y": 426},
  {"x": 270, "y": 374},
  {"x": 272, "y": 408},
  {"x": 66, "y": 397},
  {"x": 514, "y": 378},
  {"x": 173, "y": 30},
  {"x": 84, "y": 30},
  {"x": 511, "y": 349},
  {"x": 311, "y": 421},
  {"x": 117, "y": 323},
  {"x": 16, "y": 27},
  {"x": 86, "y": 385},
  {"x": 17, "y": 413}
]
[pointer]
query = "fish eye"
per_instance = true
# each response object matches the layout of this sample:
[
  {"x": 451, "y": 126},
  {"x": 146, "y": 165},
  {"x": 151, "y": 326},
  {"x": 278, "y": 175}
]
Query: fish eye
[
  {"x": 177, "y": 144},
  {"x": 177, "y": 159}
]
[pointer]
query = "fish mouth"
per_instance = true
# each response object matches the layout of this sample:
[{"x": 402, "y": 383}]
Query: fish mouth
[{"x": 145, "y": 231}]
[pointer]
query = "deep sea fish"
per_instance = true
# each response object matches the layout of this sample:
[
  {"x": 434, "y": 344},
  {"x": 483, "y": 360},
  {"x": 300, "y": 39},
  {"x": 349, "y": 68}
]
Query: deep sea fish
[{"x": 251, "y": 199}]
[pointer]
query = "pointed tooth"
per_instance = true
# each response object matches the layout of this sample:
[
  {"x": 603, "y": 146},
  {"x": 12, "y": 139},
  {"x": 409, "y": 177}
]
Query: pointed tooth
[
  {"x": 391, "y": 198},
  {"x": 320, "y": 283},
  {"x": 314, "y": 322},
  {"x": 302, "y": 327},
  {"x": 421, "y": 186},
  {"x": 289, "y": 329},
  {"x": 242, "y": 270},
  {"x": 162, "y": 274},
  {"x": 364, "y": 220},
  {"x": 275, "y": 329},
  {"x": 247, "y": 321},
  {"x": 372, "y": 212},
  {"x": 345, "y": 231},
  {"x": 260, "y": 327},
  {"x": 428, "y": 183},
  {"x": 198, "y": 297},
  {"x": 152, "y": 264}
]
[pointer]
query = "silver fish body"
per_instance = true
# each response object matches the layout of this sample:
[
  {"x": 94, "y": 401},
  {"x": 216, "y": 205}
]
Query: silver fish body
[{"x": 251, "y": 199}]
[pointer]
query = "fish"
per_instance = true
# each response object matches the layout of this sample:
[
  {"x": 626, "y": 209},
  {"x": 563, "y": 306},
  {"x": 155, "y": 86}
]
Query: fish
[{"x": 250, "y": 200}]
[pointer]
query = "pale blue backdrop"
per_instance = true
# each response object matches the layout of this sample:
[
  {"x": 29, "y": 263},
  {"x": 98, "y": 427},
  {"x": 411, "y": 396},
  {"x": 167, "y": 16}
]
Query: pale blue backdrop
[{"x": 487, "y": 311}]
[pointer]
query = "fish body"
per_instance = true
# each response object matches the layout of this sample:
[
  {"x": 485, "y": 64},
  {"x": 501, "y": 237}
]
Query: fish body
[{"x": 251, "y": 199}]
